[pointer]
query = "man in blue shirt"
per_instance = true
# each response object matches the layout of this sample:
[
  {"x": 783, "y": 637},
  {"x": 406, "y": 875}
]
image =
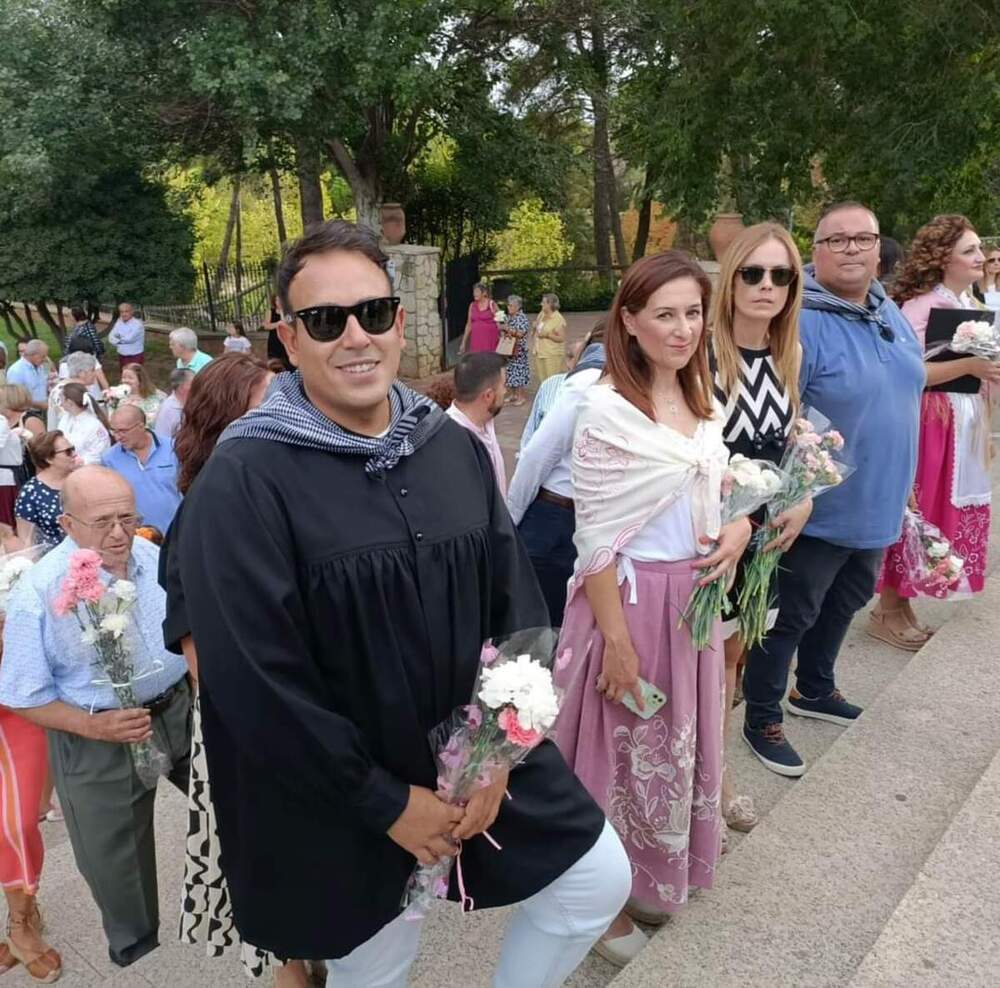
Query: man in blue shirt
[
  {"x": 31, "y": 372},
  {"x": 148, "y": 463},
  {"x": 862, "y": 368},
  {"x": 48, "y": 675}
]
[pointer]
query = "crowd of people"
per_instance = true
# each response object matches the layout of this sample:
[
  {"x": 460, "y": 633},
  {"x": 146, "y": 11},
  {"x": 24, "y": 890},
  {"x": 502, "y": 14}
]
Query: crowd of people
[{"x": 318, "y": 557}]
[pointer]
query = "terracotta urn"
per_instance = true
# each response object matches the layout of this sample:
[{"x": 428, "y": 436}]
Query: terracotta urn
[
  {"x": 724, "y": 231},
  {"x": 393, "y": 223}
]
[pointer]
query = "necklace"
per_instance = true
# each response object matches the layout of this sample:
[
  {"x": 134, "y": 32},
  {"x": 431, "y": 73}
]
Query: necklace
[{"x": 671, "y": 402}]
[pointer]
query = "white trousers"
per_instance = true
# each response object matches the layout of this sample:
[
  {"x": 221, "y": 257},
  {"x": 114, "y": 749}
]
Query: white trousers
[{"x": 548, "y": 935}]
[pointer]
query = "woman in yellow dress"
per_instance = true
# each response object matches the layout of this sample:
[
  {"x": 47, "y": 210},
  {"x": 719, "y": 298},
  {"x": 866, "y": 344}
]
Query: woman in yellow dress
[{"x": 550, "y": 338}]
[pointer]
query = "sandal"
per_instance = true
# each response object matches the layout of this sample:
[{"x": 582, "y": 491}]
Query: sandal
[
  {"x": 7, "y": 959},
  {"x": 44, "y": 966},
  {"x": 909, "y": 640}
]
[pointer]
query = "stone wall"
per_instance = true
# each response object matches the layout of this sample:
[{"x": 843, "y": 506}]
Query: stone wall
[{"x": 417, "y": 283}]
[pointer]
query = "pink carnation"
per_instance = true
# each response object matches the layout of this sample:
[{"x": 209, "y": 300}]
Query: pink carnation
[
  {"x": 84, "y": 561},
  {"x": 834, "y": 439},
  {"x": 64, "y": 602},
  {"x": 523, "y": 737},
  {"x": 489, "y": 654}
]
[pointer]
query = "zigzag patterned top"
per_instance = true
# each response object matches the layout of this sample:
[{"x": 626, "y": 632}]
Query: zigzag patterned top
[{"x": 761, "y": 416}]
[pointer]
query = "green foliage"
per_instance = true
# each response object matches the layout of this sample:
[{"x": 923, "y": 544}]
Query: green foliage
[{"x": 534, "y": 238}]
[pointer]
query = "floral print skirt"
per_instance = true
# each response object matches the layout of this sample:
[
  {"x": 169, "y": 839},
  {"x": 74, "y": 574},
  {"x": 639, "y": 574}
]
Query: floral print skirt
[{"x": 658, "y": 780}]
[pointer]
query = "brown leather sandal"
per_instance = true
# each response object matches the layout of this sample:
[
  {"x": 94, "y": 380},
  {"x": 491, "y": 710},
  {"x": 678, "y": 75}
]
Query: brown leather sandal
[
  {"x": 44, "y": 966},
  {"x": 909, "y": 639}
]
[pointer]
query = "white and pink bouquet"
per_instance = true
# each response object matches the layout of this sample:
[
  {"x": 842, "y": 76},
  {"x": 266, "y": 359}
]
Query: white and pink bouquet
[
  {"x": 810, "y": 466},
  {"x": 746, "y": 486},
  {"x": 103, "y": 615},
  {"x": 514, "y": 706},
  {"x": 116, "y": 395},
  {"x": 930, "y": 564},
  {"x": 976, "y": 337}
]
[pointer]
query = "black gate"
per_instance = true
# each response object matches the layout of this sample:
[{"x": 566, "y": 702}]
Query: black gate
[{"x": 459, "y": 277}]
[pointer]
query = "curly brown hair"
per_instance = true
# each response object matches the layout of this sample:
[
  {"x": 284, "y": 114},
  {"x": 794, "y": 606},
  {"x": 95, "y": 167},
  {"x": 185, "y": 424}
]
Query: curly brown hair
[
  {"x": 929, "y": 255},
  {"x": 220, "y": 394}
]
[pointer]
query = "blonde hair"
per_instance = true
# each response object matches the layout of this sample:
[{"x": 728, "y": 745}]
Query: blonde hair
[
  {"x": 786, "y": 353},
  {"x": 14, "y": 398}
]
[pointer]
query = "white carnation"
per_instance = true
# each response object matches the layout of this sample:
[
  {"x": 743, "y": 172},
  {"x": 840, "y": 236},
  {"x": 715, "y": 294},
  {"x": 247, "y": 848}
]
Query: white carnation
[
  {"x": 124, "y": 590},
  {"x": 938, "y": 550},
  {"x": 526, "y": 685},
  {"x": 956, "y": 563},
  {"x": 13, "y": 570},
  {"x": 115, "y": 624},
  {"x": 89, "y": 636}
]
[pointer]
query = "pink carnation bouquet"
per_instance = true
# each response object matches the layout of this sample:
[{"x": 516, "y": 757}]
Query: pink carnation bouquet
[
  {"x": 930, "y": 564},
  {"x": 514, "y": 705},
  {"x": 810, "y": 466},
  {"x": 103, "y": 615}
]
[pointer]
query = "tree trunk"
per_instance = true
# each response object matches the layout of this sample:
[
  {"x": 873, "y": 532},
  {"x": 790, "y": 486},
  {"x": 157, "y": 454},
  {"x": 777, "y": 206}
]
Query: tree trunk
[
  {"x": 29, "y": 318},
  {"x": 614, "y": 217},
  {"x": 603, "y": 176},
  {"x": 363, "y": 179},
  {"x": 642, "y": 229},
  {"x": 307, "y": 169},
  {"x": 238, "y": 268},
  {"x": 15, "y": 324},
  {"x": 601, "y": 207},
  {"x": 227, "y": 237},
  {"x": 279, "y": 209},
  {"x": 43, "y": 311}
]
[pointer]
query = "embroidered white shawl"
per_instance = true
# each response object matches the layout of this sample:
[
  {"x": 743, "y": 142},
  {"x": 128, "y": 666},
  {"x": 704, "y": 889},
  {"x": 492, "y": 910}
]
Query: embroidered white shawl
[{"x": 627, "y": 468}]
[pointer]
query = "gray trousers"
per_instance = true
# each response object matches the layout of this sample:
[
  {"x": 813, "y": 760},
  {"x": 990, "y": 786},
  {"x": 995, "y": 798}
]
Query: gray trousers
[{"x": 109, "y": 817}]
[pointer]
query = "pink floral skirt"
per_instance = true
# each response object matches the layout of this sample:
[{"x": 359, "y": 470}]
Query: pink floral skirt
[
  {"x": 967, "y": 528},
  {"x": 658, "y": 780}
]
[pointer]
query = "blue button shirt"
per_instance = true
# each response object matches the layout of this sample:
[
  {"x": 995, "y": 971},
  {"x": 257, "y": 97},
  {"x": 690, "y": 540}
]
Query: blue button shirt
[
  {"x": 35, "y": 379},
  {"x": 154, "y": 482},
  {"x": 870, "y": 390},
  {"x": 44, "y": 659}
]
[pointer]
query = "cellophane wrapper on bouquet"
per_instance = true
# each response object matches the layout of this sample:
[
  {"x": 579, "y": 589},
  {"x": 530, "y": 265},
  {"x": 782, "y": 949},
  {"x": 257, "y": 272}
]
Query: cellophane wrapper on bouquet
[
  {"x": 930, "y": 564},
  {"x": 746, "y": 486},
  {"x": 812, "y": 464},
  {"x": 975, "y": 337},
  {"x": 513, "y": 708}
]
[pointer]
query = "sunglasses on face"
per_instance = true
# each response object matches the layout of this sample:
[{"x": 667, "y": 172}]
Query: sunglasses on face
[
  {"x": 69, "y": 451},
  {"x": 325, "y": 323},
  {"x": 753, "y": 274}
]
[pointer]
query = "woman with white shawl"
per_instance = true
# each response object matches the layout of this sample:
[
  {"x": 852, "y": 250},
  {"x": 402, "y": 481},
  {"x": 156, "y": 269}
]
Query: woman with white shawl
[{"x": 648, "y": 460}]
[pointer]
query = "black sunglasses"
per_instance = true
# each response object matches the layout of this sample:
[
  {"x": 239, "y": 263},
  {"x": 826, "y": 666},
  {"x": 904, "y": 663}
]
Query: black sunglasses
[
  {"x": 753, "y": 274},
  {"x": 325, "y": 323}
]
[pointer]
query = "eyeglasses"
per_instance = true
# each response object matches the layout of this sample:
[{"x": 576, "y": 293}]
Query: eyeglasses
[
  {"x": 122, "y": 429},
  {"x": 325, "y": 323},
  {"x": 838, "y": 243},
  {"x": 104, "y": 525},
  {"x": 753, "y": 274},
  {"x": 69, "y": 451},
  {"x": 993, "y": 260}
]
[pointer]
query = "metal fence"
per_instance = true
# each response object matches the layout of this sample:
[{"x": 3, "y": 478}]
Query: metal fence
[{"x": 222, "y": 294}]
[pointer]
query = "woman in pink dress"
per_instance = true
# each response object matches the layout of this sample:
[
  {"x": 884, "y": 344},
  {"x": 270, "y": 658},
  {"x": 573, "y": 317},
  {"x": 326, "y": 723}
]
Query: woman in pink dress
[
  {"x": 953, "y": 487},
  {"x": 481, "y": 329},
  {"x": 648, "y": 459}
]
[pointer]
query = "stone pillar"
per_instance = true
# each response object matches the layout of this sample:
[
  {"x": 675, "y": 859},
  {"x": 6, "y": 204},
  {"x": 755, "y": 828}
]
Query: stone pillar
[{"x": 417, "y": 283}]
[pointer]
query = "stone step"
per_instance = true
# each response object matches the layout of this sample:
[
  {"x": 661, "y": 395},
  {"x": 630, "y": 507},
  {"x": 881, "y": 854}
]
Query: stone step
[
  {"x": 944, "y": 932},
  {"x": 807, "y": 894}
]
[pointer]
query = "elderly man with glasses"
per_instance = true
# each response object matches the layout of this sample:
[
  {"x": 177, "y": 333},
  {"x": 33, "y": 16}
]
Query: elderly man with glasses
[
  {"x": 48, "y": 677},
  {"x": 862, "y": 368},
  {"x": 148, "y": 463}
]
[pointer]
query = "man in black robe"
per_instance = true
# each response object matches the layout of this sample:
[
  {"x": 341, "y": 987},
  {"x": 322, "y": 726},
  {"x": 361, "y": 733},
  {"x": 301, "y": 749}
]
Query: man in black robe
[{"x": 340, "y": 561}]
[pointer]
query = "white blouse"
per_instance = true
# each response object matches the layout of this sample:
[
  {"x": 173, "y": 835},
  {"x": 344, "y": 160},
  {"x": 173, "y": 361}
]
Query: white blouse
[{"x": 87, "y": 434}]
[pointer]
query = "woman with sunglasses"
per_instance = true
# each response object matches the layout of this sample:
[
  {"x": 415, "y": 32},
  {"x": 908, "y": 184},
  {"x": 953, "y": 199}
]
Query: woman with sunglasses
[
  {"x": 987, "y": 288},
  {"x": 39, "y": 503},
  {"x": 756, "y": 356},
  {"x": 953, "y": 484}
]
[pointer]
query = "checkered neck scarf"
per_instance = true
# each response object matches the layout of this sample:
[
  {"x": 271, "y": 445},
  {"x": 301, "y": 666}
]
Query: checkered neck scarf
[{"x": 287, "y": 416}]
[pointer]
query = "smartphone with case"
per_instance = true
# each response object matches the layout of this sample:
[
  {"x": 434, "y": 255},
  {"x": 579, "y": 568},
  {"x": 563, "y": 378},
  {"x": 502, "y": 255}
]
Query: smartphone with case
[{"x": 652, "y": 700}]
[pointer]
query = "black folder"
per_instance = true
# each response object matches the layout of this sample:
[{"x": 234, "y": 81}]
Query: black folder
[{"x": 940, "y": 329}]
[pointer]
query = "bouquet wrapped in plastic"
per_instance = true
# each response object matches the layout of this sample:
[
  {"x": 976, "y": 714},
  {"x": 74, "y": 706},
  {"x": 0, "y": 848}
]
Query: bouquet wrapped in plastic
[
  {"x": 930, "y": 565},
  {"x": 514, "y": 705},
  {"x": 746, "y": 486},
  {"x": 13, "y": 565},
  {"x": 103, "y": 614},
  {"x": 974, "y": 337},
  {"x": 810, "y": 468}
]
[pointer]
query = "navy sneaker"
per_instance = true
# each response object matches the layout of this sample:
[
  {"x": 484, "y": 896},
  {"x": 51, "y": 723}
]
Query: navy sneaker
[
  {"x": 773, "y": 750},
  {"x": 833, "y": 708}
]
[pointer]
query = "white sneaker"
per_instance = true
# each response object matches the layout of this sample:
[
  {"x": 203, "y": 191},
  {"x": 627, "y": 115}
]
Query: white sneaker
[{"x": 620, "y": 950}]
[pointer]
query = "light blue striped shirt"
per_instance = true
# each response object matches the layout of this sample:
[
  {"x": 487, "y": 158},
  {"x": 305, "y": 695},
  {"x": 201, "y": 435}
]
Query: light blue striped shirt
[{"x": 43, "y": 657}]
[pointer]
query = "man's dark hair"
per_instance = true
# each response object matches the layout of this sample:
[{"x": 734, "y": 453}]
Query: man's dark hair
[
  {"x": 81, "y": 344},
  {"x": 836, "y": 207},
  {"x": 79, "y": 313},
  {"x": 331, "y": 235},
  {"x": 475, "y": 372}
]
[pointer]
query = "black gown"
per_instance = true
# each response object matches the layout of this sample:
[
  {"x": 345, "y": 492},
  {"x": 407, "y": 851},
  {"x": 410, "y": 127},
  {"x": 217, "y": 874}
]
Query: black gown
[{"x": 337, "y": 619}]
